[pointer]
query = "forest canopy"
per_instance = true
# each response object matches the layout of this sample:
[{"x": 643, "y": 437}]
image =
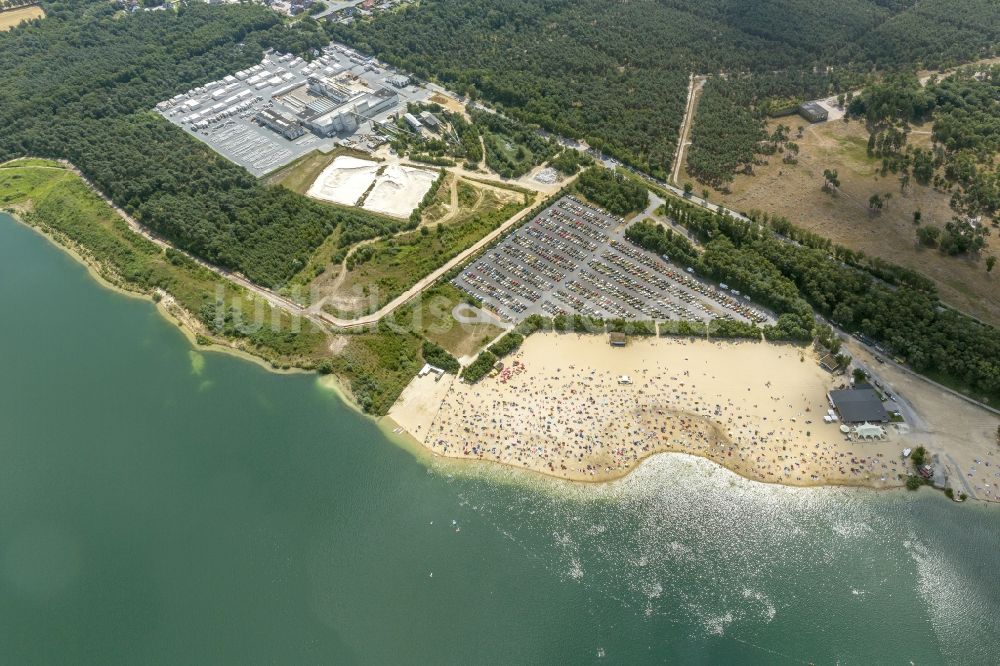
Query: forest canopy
[{"x": 616, "y": 73}]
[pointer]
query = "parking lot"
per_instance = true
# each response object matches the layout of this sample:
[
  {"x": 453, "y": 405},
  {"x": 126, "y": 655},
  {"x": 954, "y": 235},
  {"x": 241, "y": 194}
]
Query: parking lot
[
  {"x": 221, "y": 113},
  {"x": 574, "y": 259}
]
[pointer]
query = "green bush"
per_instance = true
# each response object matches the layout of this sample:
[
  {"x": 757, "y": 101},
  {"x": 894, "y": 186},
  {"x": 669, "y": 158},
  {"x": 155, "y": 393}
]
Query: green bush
[
  {"x": 439, "y": 357},
  {"x": 728, "y": 328},
  {"x": 612, "y": 190},
  {"x": 507, "y": 344},
  {"x": 533, "y": 324},
  {"x": 683, "y": 328},
  {"x": 480, "y": 367}
]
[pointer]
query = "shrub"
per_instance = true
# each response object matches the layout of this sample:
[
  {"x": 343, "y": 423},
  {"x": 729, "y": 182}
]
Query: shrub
[
  {"x": 439, "y": 357},
  {"x": 612, "y": 190},
  {"x": 480, "y": 367},
  {"x": 507, "y": 344}
]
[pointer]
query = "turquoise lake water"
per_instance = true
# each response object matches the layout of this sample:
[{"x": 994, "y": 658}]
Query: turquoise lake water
[{"x": 164, "y": 506}]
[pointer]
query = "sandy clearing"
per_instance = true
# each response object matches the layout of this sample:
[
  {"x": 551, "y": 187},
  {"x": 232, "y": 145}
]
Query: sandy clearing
[
  {"x": 399, "y": 190},
  {"x": 344, "y": 180},
  {"x": 11, "y": 18}
]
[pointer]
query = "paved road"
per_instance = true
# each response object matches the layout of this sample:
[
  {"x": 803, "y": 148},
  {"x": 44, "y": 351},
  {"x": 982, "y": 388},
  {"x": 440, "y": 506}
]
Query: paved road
[{"x": 851, "y": 341}]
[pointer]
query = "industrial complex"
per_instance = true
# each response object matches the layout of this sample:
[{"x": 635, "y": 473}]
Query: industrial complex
[{"x": 268, "y": 115}]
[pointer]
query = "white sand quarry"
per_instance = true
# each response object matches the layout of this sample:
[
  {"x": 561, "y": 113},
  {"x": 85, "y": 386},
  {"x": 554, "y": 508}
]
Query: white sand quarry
[
  {"x": 345, "y": 180},
  {"x": 399, "y": 190}
]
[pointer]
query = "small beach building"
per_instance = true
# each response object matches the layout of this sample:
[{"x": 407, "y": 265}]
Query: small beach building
[
  {"x": 829, "y": 363},
  {"x": 858, "y": 405},
  {"x": 618, "y": 339},
  {"x": 430, "y": 369},
  {"x": 869, "y": 431}
]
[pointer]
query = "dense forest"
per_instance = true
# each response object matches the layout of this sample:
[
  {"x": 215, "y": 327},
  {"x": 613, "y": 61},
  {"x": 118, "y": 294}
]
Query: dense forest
[
  {"x": 615, "y": 73},
  {"x": 79, "y": 85},
  {"x": 903, "y": 315},
  {"x": 612, "y": 191}
]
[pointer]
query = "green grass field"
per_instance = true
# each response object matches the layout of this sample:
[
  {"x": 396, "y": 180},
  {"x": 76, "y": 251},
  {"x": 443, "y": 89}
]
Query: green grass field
[
  {"x": 432, "y": 316},
  {"x": 389, "y": 267}
]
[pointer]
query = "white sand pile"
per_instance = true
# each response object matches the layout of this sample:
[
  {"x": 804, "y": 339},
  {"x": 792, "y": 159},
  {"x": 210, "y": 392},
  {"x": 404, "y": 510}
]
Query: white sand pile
[
  {"x": 399, "y": 190},
  {"x": 344, "y": 180}
]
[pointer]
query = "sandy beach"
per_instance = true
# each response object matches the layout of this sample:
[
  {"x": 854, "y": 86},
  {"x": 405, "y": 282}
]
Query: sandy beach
[{"x": 755, "y": 408}]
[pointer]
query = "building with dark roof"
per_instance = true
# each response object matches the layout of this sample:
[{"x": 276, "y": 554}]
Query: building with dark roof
[
  {"x": 429, "y": 119},
  {"x": 813, "y": 112},
  {"x": 860, "y": 405}
]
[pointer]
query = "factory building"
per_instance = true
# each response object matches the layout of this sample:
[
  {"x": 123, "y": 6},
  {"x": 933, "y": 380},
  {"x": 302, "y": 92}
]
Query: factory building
[
  {"x": 412, "y": 121},
  {"x": 399, "y": 80},
  {"x": 430, "y": 120},
  {"x": 331, "y": 88},
  {"x": 337, "y": 121},
  {"x": 286, "y": 127},
  {"x": 327, "y": 118}
]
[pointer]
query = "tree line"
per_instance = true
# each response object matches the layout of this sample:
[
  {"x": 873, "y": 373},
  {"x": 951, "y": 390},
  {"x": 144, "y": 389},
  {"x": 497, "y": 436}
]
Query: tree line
[{"x": 793, "y": 278}]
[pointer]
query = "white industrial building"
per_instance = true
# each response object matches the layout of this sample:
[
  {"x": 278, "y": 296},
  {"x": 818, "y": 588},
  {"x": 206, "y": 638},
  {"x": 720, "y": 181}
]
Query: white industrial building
[
  {"x": 332, "y": 105},
  {"x": 412, "y": 121}
]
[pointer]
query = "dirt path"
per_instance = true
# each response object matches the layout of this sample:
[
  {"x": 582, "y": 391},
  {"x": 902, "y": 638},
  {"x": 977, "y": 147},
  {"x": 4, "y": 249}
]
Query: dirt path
[
  {"x": 317, "y": 307},
  {"x": 453, "y": 203},
  {"x": 430, "y": 279},
  {"x": 695, "y": 85}
]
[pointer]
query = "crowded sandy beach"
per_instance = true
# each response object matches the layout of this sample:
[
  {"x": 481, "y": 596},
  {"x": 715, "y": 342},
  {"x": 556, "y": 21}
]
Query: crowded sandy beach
[{"x": 574, "y": 407}]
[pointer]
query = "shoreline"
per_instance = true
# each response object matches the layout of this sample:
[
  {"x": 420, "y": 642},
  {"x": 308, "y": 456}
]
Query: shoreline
[
  {"x": 406, "y": 439},
  {"x": 167, "y": 306},
  {"x": 573, "y": 420},
  {"x": 428, "y": 457}
]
